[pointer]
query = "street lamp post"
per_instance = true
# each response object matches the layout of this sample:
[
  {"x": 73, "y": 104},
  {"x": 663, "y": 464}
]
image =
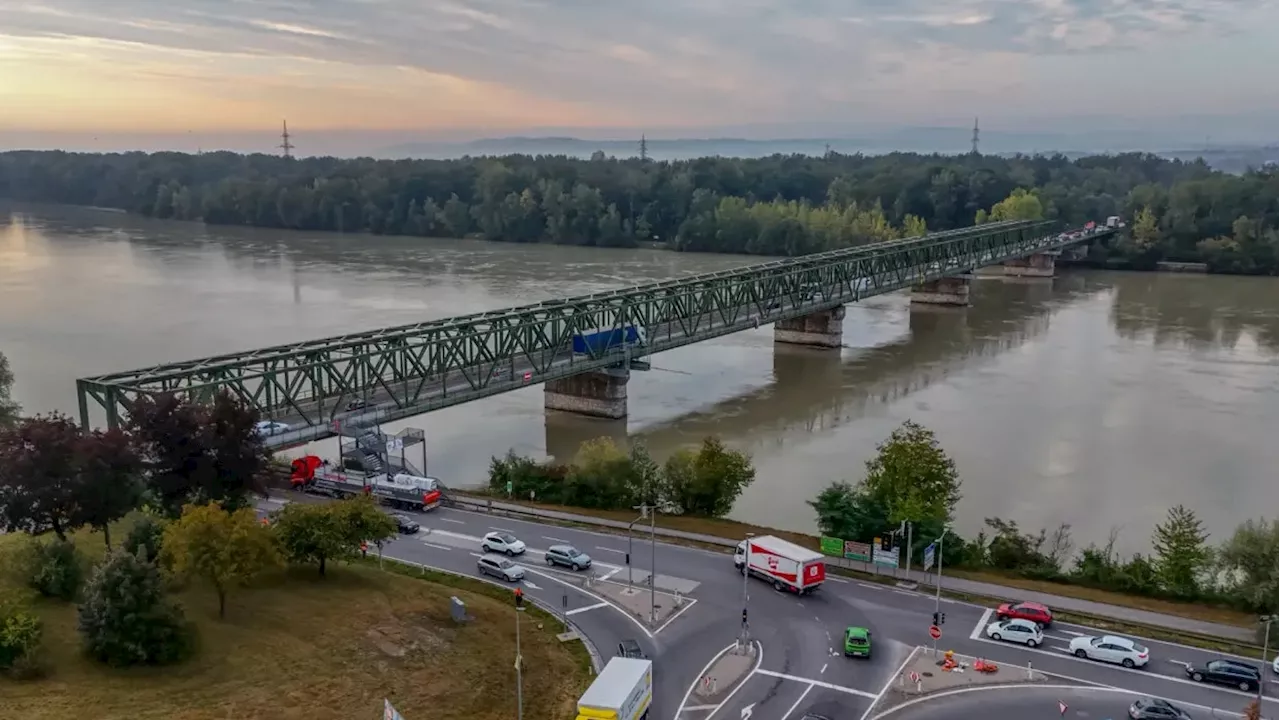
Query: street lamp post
[
  {"x": 1266, "y": 650},
  {"x": 519, "y": 669},
  {"x": 653, "y": 567},
  {"x": 937, "y": 589},
  {"x": 746, "y": 572},
  {"x": 630, "y": 525}
]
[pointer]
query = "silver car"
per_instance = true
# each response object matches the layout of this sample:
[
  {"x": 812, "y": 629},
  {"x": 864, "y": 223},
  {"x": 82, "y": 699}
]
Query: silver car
[
  {"x": 500, "y": 568},
  {"x": 568, "y": 556}
]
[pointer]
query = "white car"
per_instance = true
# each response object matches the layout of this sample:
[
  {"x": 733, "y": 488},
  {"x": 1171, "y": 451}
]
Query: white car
[
  {"x": 1275, "y": 666},
  {"x": 1112, "y": 649},
  {"x": 267, "y": 428},
  {"x": 1019, "y": 631},
  {"x": 502, "y": 542}
]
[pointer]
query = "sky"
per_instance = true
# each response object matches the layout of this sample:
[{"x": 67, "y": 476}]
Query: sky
[{"x": 198, "y": 70}]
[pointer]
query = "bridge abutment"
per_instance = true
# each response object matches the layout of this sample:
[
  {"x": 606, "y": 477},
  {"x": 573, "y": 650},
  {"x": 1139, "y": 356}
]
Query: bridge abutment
[
  {"x": 596, "y": 393},
  {"x": 952, "y": 291},
  {"x": 823, "y": 329},
  {"x": 1038, "y": 265}
]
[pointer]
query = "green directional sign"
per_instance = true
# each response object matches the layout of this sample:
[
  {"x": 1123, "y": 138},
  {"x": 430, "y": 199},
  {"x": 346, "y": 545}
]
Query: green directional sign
[{"x": 831, "y": 546}]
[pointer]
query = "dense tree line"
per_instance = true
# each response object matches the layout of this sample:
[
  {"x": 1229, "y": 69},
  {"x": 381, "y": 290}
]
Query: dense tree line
[
  {"x": 779, "y": 205},
  {"x": 912, "y": 479}
]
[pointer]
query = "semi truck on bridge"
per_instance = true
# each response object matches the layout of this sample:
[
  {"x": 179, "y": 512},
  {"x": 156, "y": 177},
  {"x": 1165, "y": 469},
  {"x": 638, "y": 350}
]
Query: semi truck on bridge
[{"x": 598, "y": 342}]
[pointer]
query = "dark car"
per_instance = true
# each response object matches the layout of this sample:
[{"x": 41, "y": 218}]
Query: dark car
[
  {"x": 358, "y": 405},
  {"x": 1156, "y": 709},
  {"x": 1039, "y": 614},
  {"x": 405, "y": 524},
  {"x": 1232, "y": 673},
  {"x": 630, "y": 649}
]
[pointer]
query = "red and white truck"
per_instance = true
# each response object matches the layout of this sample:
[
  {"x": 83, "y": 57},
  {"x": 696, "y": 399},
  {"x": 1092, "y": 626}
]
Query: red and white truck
[
  {"x": 400, "y": 490},
  {"x": 787, "y": 565}
]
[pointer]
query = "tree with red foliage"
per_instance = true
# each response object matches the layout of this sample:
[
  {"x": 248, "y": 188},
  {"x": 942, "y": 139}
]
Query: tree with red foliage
[
  {"x": 196, "y": 453},
  {"x": 109, "y": 483},
  {"x": 39, "y": 478}
]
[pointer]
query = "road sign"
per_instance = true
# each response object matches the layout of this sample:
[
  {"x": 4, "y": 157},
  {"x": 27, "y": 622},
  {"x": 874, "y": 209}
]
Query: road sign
[
  {"x": 928, "y": 555},
  {"x": 1062, "y": 708},
  {"x": 935, "y": 632}
]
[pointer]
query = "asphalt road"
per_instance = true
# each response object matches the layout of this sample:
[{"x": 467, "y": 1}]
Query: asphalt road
[
  {"x": 1029, "y": 702},
  {"x": 800, "y": 669}
]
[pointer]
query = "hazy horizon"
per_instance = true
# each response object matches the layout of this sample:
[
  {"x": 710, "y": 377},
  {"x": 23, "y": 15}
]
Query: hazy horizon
[{"x": 354, "y": 78}]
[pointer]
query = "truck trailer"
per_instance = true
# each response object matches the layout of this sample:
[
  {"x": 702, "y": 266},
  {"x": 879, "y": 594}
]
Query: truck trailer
[
  {"x": 622, "y": 691},
  {"x": 401, "y": 490},
  {"x": 787, "y": 565},
  {"x": 601, "y": 341}
]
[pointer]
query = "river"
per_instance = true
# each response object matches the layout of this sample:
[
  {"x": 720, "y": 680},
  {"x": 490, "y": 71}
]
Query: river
[{"x": 1097, "y": 399}]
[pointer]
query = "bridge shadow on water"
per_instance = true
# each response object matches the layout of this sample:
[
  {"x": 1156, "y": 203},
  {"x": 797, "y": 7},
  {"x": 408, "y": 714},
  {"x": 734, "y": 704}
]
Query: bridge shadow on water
[{"x": 816, "y": 390}]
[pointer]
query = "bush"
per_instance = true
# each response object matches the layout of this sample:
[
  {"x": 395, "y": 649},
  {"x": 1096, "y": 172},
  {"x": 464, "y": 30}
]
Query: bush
[
  {"x": 146, "y": 536},
  {"x": 126, "y": 619},
  {"x": 54, "y": 569},
  {"x": 20, "y": 634}
]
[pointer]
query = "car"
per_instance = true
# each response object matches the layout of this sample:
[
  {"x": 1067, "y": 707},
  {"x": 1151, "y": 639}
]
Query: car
[
  {"x": 500, "y": 568},
  {"x": 568, "y": 556},
  {"x": 1019, "y": 631},
  {"x": 502, "y": 542},
  {"x": 1156, "y": 709},
  {"x": 1232, "y": 673},
  {"x": 1110, "y": 648},
  {"x": 629, "y": 648},
  {"x": 267, "y": 428},
  {"x": 406, "y": 524},
  {"x": 358, "y": 405},
  {"x": 1275, "y": 666},
  {"x": 857, "y": 642},
  {"x": 1033, "y": 611}
]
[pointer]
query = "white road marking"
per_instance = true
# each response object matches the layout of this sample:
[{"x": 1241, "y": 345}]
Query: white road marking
[
  {"x": 869, "y": 585},
  {"x": 610, "y": 574},
  {"x": 706, "y": 668},
  {"x": 612, "y": 550},
  {"x": 451, "y": 520},
  {"x": 906, "y": 592},
  {"x": 1059, "y": 648},
  {"x": 889, "y": 683},
  {"x": 982, "y": 625},
  {"x": 819, "y": 683},
  {"x": 1076, "y": 688},
  {"x": 824, "y": 669},
  {"x": 839, "y": 579},
  {"x": 498, "y": 529},
  {"x": 438, "y": 547},
  {"x": 672, "y": 619},
  {"x": 597, "y": 606},
  {"x": 796, "y": 704},
  {"x": 556, "y": 540},
  {"x": 696, "y": 708},
  {"x": 1069, "y": 632},
  {"x": 741, "y": 683},
  {"x": 530, "y": 584}
]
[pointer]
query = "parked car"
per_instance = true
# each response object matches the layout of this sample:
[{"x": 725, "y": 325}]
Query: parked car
[
  {"x": 629, "y": 648},
  {"x": 500, "y": 568},
  {"x": 568, "y": 556},
  {"x": 1232, "y": 673},
  {"x": 1112, "y": 649},
  {"x": 267, "y": 428},
  {"x": 857, "y": 642},
  {"x": 1033, "y": 611},
  {"x": 1156, "y": 709},
  {"x": 502, "y": 542},
  {"x": 406, "y": 524},
  {"x": 1019, "y": 631}
]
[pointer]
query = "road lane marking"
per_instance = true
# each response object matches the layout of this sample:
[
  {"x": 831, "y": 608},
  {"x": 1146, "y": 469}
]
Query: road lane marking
[
  {"x": 597, "y": 606},
  {"x": 612, "y": 550},
  {"x": 672, "y": 619},
  {"x": 451, "y": 520},
  {"x": 905, "y": 592},
  {"x": 982, "y": 625},
  {"x": 438, "y": 547},
  {"x": 812, "y": 682},
  {"x": 823, "y": 670},
  {"x": 889, "y": 683},
  {"x": 1123, "y": 669},
  {"x": 556, "y": 540},
  {"x": 839, "y": 579},
  {"x": 610, "y": 574},
  {"x": 796, "y": 704},
  {"x": 741, "y": 683},
  {"x": 1103, "y": 687},
  {"x": 1070, "y": 632},
  {"x": 1062, "y": 649},
  {"x": 696, "y": 708},
  {"x": 869, "y": 585},
  {"x": 498, "y": 529}
]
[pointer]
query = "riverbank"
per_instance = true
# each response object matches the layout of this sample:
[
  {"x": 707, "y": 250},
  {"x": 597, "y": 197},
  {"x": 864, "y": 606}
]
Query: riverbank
[
  {"x": 730, "y": 530},
  {"x": 295, "y": 644}
]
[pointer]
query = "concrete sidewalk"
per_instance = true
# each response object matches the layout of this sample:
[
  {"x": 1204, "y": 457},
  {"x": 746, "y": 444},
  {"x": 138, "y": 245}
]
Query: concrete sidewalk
[{"x": 961, "y": 585}]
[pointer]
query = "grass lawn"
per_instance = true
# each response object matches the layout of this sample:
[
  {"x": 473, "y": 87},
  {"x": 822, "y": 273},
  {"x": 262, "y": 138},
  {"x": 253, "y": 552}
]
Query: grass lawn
[
  {"x": 300, "y": 646},
  {"x": 737, "y": 531}
]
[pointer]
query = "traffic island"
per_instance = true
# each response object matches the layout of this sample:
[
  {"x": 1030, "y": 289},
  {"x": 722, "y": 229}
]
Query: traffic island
[
  {"x": 730, "y": 668},
  {"x": 641, "y": 602},
  {"x": 924, "y": 674}
]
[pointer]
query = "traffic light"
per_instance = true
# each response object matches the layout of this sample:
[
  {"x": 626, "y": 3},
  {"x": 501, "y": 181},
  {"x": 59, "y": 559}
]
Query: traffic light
[
  {"x": 519, "y": 599},
  {"x": 943, "y": 619},
  {"x": 744, "y": 616},
  {"x": 886, "y": 543},
  {"x": 935, "y": 619}
]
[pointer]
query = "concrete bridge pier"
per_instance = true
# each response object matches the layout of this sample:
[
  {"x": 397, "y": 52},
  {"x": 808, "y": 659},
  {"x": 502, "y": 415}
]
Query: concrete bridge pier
[
  {"x": 952, "y": 291},
  {"x": 824, "y": 329},
  {"x": 1038, "y": 265},
  {"x": 595, "y": 393}
]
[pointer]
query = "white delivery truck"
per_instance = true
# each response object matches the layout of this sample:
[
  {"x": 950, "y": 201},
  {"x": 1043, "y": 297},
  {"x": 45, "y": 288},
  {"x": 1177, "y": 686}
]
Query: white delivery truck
[
  {"x": 622, "y": 691},
  {"x": 787, "y": 565}
]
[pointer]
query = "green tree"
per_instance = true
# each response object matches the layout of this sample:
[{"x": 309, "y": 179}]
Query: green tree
[
  {"x": 8, "y": 408},
  {"x": 1181, "y": 552},
  {"x": 224, "y": 548},
  {"x": 39, "y": 476},
  {"x": 21, "y": 631},
  {"x": 55, "y": 569},
  {"x": 126, "y": 619},
  {"x": 1248, "y": 562},
  {"x": 1146, "y": 230},
  {"x": 707, "y": 483},
  {"x": 1022, "y": 204},
  {"x": 912, "y": 477},
  {"x": 913, "y": 226},
  {"x": 845, "y": 512},
  {"x": 318, "y": 534},
  {"x": 146, "y": 538},
  {"x": 362, "y": 521}
]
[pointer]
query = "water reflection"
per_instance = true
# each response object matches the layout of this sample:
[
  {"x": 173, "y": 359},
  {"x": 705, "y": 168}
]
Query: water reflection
[{"x": 1197, "y": 312}]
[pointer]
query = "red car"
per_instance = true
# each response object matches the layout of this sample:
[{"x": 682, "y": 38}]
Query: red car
[{"x": 1035, "y": 612}]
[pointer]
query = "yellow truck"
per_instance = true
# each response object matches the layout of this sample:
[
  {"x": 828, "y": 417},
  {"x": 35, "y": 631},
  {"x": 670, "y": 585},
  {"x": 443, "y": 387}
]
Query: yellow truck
[{"x": 622, "y": 691}]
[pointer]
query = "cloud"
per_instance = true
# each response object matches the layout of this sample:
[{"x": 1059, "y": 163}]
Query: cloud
[{"x": 659, "y": 62}]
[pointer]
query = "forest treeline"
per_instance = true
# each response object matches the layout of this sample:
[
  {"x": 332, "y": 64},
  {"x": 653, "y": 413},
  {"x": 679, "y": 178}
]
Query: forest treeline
[{"x": 781, "y": 205}]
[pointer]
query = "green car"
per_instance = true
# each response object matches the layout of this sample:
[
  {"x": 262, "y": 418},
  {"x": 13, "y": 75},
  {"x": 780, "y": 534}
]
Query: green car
[{"x": 857, "y": 642}]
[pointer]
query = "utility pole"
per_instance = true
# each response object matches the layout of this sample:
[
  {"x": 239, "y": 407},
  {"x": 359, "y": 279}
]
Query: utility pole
[
  {"x": 1266, "y": 650},
  {"x": 644, "y": 148},
  {"x": 937, "y": 590},
  {"x": 974, "y": 148},
  {"x": 284, "y": 137},
  {"x": 630, "y": 525},
  {"x": 653, "y": 567},
  {"x": 519, "y": 660},
  {"x": 746, "y": 573}
]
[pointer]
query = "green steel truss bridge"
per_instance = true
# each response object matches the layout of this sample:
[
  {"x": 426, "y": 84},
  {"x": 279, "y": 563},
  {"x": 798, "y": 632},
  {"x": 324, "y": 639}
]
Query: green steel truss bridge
[{"x": 405, "y": 371}]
